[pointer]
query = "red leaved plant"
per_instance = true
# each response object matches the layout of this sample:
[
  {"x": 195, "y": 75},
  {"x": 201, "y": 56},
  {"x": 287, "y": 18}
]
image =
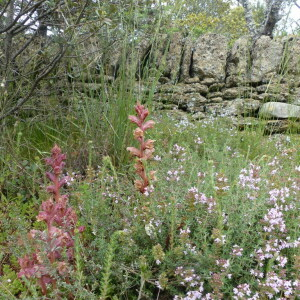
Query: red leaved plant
[
  {"x": 146, "y": 148},
  {"x": 54, "y": 247}
]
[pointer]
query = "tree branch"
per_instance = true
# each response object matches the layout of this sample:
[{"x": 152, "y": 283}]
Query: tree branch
[
  {"x": 4, "y": 8},
  {"x": 45, "y": 71},
  {"x": 20, "y": 14},
  {"x": 249, "y": 17},
  {"x": 295, "y": 2},
  {"x": 21, "y": 102},
  {"x": 272, "y": 17}
]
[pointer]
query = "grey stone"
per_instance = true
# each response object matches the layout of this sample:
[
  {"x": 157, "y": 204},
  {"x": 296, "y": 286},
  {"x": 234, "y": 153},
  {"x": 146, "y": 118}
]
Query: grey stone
[
  {"x": 195, "y": 88},
  {"x": 216, "y": 100},
  {"x": 188, "y": 102},
  {"x": 266, "y": 59},
  {"x": 216, "y": 87},
  {"x": 214, "y": 95},
  {"x": 267, "y": 97},
  {"x": 186, "y": 59},
  {"x": 183, "y": 88},
  {"x": 174, "y": 55},
  {"x": 279, "y": 110},
  {"x": 198, "y": 116},
  {"x": 192, "y": 80},
  {"x": 238, "y": 62},
  {"x": 208, "y": 81},
  {"x": 272, "y": 88},
  {"x": 209, "y": 56},
  {"x": 296, "y": 102},
  {"x": 292, "y": 54},
  {"x": 231, "y": 93},
  {"x": 245, "y": 107}
]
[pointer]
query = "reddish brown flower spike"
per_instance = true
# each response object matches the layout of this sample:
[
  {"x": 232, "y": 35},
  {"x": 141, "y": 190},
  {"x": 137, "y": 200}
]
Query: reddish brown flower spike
[
  {"x": 58, "y": 239},
  {"x": 146, "y": 147}
]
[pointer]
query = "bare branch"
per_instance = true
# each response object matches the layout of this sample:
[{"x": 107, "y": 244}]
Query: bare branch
[
  {"x": 39, "y": 72},
  {"x": 21, "y": 102},
  {"x": 4, "y": 9},
  {"x": 21, "y": 27},
  {"x": 298, "y": 5},
  {"x": 30, "y": 10},
  {"x": 249, "y": 17},
  {"x": 272, "y": 17},
  {"x": 24, "y": 46}
]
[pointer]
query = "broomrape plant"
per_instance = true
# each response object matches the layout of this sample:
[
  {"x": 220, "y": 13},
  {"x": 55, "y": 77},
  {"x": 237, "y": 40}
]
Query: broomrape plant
[
  {"x": 53, "y": 247},
  {"x": 146, "y": 147}
]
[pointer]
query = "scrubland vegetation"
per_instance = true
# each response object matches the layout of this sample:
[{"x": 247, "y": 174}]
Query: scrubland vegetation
[
  {"x": 220, "y": 220},
  {"x": 96, "y": 207}
]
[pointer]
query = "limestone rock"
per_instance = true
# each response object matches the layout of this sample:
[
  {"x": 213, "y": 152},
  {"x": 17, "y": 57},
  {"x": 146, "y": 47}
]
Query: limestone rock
[
  {"x": 216, "y": 100},
  {"x": 238, "y": 62},
  {"x": 292, "y": 54},
  {"x": 245, "y": 107},
  {"x": 239, "y": 92},
  {"x": 272, "y": 88},
  {"x": 191, "y": 102},
  {"x": 268, "y": 97},
  {"x": 279, "y": 110},
  {"x": 198, "y": 116},
  {"x": 231, "y": 93},
  {"x": 296, "y": 102},
  {"x": 195, "y": 88},
  {"x": 183, "y": 88},
  {"x": 109, "y": 79},
  {"x": 214, "y": 95},
  {"x": 208, "y": 81},
  {"x": 158, "y": 53},
  {"x": 209, "y": 56},
  {"x": 192, "y": 80},
  {"x": 174, "y": 55},
  {"x": 216, "y": 87},
  {"x": 266, "y": 59},
  {"x": 186, "y": 59}
]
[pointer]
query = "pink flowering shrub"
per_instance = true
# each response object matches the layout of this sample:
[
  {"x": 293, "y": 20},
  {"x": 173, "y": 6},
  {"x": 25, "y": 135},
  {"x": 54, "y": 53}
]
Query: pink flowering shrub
[
  {"x": 53, "y": 247},
  {"x": 146, "y": 148}
]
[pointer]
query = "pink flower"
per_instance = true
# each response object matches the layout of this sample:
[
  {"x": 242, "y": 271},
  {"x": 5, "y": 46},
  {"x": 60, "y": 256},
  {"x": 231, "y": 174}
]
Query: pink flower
[
  {"x": 146, "y": 148},
  {"x": 58, "y": 238}
]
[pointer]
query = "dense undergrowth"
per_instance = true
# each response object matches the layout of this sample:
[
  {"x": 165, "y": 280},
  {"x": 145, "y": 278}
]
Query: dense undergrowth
[{"x": 221, "y": 220}]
